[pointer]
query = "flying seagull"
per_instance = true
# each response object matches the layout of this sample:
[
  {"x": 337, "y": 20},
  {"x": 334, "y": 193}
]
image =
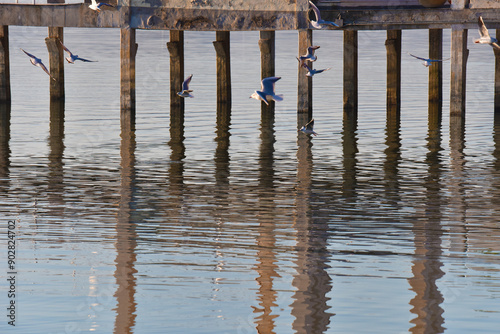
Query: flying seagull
[
  {"x": 97, "y": 6},
  {"x": 485, "y": 37},
  {"x": 427, "y": 62},
  {"x": 267, "y": 93},
  {"x": 308, "y": 128},
  {"x": 186, "y": 92},
  {"x": 38, "y": 62},
  {"x": 71, "y": 57},
  {"x": 309, "y": 55},
  {"x": 319, "y": 23},
  {"x": 312, "y": 72}
]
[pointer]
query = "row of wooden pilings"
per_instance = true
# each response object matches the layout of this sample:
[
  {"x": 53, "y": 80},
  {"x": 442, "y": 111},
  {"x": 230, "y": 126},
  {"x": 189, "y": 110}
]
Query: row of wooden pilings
[{"x": 175, "y": 47}]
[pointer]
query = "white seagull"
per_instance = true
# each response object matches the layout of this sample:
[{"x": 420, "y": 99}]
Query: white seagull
[
  {"x": 309, "y": 55},
  {"x": 485, "y": 37},
  {"x": 186, "y": 92},
  {"x": 312, "y": 72},
  {"x": 97, "y": 6},
  {"x": 426, "y": 61},
  {"x": 267, "y": 93},
  {"x": 38, "y": 62},
  {"x": 308, "y": 128},
  {"x": 71, "y": 57},
  {"x": 319, "y": 23}
]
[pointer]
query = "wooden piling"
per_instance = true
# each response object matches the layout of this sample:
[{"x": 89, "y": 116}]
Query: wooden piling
[
  {"x": 5, "y": 96},
  {"x": 127, "y": 74},
  {"x": 459, "y": 55},
  {"x": 435, "y": 95},
  {"x": 267, "y": 62},
  {"x": 56, "y": 62},
  {"x": 222, "y": 49},
  {"x": 176, "y": 50},
  {"x": 393, "y": 48},
  {"x": 304, "y": 95},
  {"x": 351, "y": 72},
  {"x": 497, "y": 75}
]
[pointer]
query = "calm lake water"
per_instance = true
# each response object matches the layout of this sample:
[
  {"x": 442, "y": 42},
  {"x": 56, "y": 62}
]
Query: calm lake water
[{"x": 248, "y": 226}]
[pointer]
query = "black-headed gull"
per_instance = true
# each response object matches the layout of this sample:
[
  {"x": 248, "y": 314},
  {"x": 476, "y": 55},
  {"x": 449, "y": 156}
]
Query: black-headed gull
[
  {"x": 97, "y": 6},
  {"x": 319, "y": 23},
  {"x": 426, "y": 61},
  {"x": 71, "y": 57},
  {"x": 38, "y": 62},
  {"x": 309, "y": 55},
  {"x": 186, "y": 92},
  {"x": 308, "y": 128},
  {"x": 311, "y": 71},
  {"x": 485, "y": 37},
  {"x": 267, "y": 93}
]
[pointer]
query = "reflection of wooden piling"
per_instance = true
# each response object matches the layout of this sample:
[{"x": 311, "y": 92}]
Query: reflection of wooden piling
[
  {"x": 435, "y": 74},
  {"x": 127, "y": 68},
  {"x": 393, "y": 47},
  {"x": 176, "y": 50},
  {"x": 459, "y": 54},
  {"x": 56, "y": 62},
  {"x": 304, "y": 96},
  {"x": 351, "y": 72},
  {"x": 267, "y": 62},
  {"x": 497, "y": 76},
  {"x": 222, "y": 49},
  {"x": 4, "y": 65}
]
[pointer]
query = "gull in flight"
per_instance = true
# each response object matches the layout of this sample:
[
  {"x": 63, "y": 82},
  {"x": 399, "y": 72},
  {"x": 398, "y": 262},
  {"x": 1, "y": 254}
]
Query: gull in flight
[
  {"x": 485, "y": 37},
  {"x": 319, "y": 23},
  {"x": 427, "y": 62},
  {"x": 38, "y": 62},
  {"x": 309, "y": 55},
  {"x": 97, "y": 6},
  {"x": 308, "y": 128},
  {"x": 71, "y": 57},
  {"x": 186, "y": 92},
  {"x": 266, "y": 93},
  {"x": 312, "y": 72}
]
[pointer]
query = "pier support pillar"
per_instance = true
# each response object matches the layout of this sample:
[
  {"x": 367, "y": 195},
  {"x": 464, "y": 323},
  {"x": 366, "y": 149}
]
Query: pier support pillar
[
  {"x": 393, "y": 47},
  {"x": 56, "y": 62},
  {"x": 435, "y": 94},
  {"x": 176, "y": 50},
  {"x": 4, "y": 65},
  {"x": 128, "y": 52},
  {"x": 459, "y": 55},
  {"x": 351, "y": 73},
  {"x": 304, "y": 96},
  {"x": 497, "y": 76},
  {"x": 267, "y": 62},
  {"x": 222, "y": 49}
]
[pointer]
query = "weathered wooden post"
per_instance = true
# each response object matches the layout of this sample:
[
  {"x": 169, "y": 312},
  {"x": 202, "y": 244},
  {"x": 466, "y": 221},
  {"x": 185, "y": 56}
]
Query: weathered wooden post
[
  {"x": 435, "y": 97},
  {"x": 497, "y": 76},
  {"x": 127, "y": 74},
  {"x": 351, "y": 73},
  {"x": 459, "y": 55},
  {"x": 304, "y": 96},
  {"x": 222, "y": 49},
  {"x": 393, "y": 47},
  {"x": 267, "y": 62},
  {"x": 56, "y": 62},
  {"x": 4, "y": 65},
  {"x": 176, "y": 50}
]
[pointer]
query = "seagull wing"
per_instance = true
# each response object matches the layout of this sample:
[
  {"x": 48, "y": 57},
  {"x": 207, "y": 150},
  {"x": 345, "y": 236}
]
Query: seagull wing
[
  {"x": 495, "y": 45},
  {"x": 263, "y": 97},
  {"x": 325, "y": 69},
  {"x": 29, "y": 54},
  {"x": 310, "y": 125},
  {"x": 267, "y": 84},
  {"x": 310, "y": 50},
  {"x": 42, "y": 66},
  {"x": 316, "y": 11},
  {"x": 418, "y": 57},
  {"x": 66, "y": 49},
  {"x": 483, "y": 31},
  {"x": 85, "y": 60},
  {"x": 104, "y": 4},
  {"x": 185, "y": 84}
]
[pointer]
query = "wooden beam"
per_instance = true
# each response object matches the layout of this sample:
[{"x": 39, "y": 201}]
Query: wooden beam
[
  {"x": 127, "y": 75},
  {"x": 5, "y": 96},
  {"x": 435, "y": 95},
  {"x": 176, "y": 50},
  {"x": 459, "y": 55},
  {"x": 393, "y": 47},
  {"x": 304, "y": 96},
  {"x": 497, "y": 75},
  {"x": 222, "y": 48},
  {"x": 351, "y": 73},
  {"x": 56, "y": 62},
  {"x": 267, "y": 62}
]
